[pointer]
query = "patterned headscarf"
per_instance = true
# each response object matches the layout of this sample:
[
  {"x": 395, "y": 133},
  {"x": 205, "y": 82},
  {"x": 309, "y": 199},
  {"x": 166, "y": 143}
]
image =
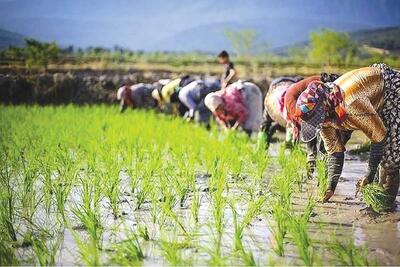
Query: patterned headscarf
[
  {"x": 334, "y": 102},
  {"x": 310, "y": 109},
  {"x": 318, "y": 103}
]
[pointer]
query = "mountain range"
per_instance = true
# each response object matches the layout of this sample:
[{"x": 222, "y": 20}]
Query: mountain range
[{"x": 183, "y": 25}]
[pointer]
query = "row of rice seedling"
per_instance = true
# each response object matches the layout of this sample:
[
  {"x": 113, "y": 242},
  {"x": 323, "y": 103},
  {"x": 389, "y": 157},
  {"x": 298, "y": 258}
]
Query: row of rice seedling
[
  {"x": 291, "y": 225},
  {"x": 139, "y": 188}
]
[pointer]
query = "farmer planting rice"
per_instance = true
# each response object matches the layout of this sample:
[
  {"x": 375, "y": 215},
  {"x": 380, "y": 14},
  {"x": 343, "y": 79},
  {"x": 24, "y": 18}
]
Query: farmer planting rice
[
  {"x": 290, "y": 97},
  {"x": 229, "y": 74},
  {"x": 192, "y": 96},
  {"x": 366, "y": 99},
  {"x": 167, "y": 96},
  {"x": 275, "y": 114},
  {"x": 136, "y": 96},
  {"x": 240, "y": 105}
]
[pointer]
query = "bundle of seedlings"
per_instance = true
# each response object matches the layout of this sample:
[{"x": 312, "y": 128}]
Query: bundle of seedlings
[{"x": 376, "y": 197}]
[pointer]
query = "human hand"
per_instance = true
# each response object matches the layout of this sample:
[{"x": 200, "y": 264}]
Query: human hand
[{"x": 361, "y": 183}]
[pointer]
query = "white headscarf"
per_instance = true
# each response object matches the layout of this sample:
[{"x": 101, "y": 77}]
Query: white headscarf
[
  {"x": 213, "y": 101},
  {"x": 120, "y": 92}
]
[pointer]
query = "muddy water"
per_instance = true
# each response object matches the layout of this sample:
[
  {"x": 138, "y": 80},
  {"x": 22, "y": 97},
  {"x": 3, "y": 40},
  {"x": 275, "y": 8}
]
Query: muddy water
[
  {"x": 381, "y": 233},
  {"x": 344, "y": 217}
]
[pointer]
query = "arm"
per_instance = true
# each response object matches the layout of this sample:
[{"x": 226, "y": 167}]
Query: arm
[
  {"x": 365, "y": 118},
  {"x": 221, "y": 122},
  {"x": 335, "y": 159},
  {"x": 232, "y": 73}
]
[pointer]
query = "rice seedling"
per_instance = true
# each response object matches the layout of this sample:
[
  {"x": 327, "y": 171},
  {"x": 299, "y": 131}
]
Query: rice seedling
[
  {"x": 46, "y": 247},
  {"x": 279, "y": 228},
  {"x": 322, "y": 177},
  {"x": 88, "y": 215},
  {"x": 111, "y": 178},
  {"x": 298, "y": 227},
  {"x": 128, "y": 252},
  {"x": 143, "y": 232},
  {"x": 7, "y": 200},
  {"x": 172, "y": 252},
  {"x": 195, "y": 205},
  {"x": 376, "y": 197},
  {"x": 346, "y": 253},
  {"x": 57, "y": 170},
  {"x": 64, "y": 179},
  {"x": 167, "y": 210},
  {"x": 247, "y": 257}
]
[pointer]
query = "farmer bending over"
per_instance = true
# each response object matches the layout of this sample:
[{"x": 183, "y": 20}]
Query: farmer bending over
[
  {"x": 366, "y": 99},
  {"x": 192, "y": 96},
  {"x": 290, "y": 98},
  {"x": 136, "y": 96},
  {"x": 240, "y": 105},
  {"x": 167, "y": 95}
]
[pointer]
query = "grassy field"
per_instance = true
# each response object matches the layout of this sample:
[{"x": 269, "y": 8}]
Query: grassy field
[{"x": 87, "y": 185}]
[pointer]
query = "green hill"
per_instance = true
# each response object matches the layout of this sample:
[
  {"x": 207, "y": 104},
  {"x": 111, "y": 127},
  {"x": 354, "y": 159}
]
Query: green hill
[
  {"x": 8, "y": 38},
  {"x": 384, "y": 38}
]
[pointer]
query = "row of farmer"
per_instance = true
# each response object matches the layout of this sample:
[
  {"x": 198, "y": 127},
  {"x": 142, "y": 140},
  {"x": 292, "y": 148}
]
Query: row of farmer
[
  {"x": 326, "y": 106},
  {"x": 238, "y": 105}
]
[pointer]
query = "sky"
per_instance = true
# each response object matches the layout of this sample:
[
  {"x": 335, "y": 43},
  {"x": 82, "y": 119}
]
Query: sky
[{"x": 154, "y": 24}]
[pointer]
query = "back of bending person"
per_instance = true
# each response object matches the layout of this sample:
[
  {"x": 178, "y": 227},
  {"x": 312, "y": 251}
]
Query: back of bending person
[
  {"x": 291, "y": 96},
  {"x": 192, "y": 96},
  {"x": 274, "y": 115},
  {"x": 366, "y": 99},
  {"x": 240, "y": 103},
  {"x": 136, "y": 96},
  {"x": 167, "y": 97}
]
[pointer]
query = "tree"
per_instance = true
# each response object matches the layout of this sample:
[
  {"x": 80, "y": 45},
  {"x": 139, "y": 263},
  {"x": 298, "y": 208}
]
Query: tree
[
  {"x": 243, "y": 41},
  {"x": 331, "y": 48},
  {"x": 39, "y": 54}
]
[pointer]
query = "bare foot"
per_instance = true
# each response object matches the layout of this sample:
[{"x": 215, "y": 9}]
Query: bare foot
[{"x": 328, "y": 195}]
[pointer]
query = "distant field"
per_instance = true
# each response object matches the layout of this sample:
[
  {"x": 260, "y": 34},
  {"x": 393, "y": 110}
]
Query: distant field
[{"x": 246, "y": 70}]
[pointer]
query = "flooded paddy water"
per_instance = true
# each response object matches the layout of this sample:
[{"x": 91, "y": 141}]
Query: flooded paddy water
[
  {"x": 192, "y": 210},
  {"x": 345, "y": 216}
]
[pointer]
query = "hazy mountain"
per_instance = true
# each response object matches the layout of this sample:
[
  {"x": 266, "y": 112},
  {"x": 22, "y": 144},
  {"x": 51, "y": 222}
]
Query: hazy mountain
[
  {"x": 10, "y": 38},
  {"x": 186, "y": 24},
  {"x": 275, "y": 32}
]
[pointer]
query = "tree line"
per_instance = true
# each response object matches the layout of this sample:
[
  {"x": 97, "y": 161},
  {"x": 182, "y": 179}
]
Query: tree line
[{"x": 325, "y": 47}]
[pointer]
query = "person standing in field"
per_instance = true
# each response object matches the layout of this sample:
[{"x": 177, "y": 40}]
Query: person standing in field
[
  {"x": 239, "y": 105},
  {"x": 366, "y": 99},
  {"x": 192, "y": 96},
  {"x": 229, "y": 75},
  {"x": 136, "y": 96}
]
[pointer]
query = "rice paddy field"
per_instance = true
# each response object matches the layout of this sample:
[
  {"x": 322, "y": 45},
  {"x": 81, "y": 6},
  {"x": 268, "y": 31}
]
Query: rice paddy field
[{"x": 86, "y": 185}]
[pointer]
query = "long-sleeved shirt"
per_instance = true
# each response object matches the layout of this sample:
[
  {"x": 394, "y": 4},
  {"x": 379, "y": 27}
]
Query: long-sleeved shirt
[
  {"x": 293, "y": 92},
  {"x": 235, "y": 108},
  {"x": 169, "y": 89},
  {"x": 363, "y": 100},
  {"x": 192, "y": 94},
  {"x": 141, "y": 95}
]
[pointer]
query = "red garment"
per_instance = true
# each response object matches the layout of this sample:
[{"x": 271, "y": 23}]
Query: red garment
[
  {"x": 127, "y": 96},
  {"x": 293, "y": 92},
  {"x": 235, "y": 108}
]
